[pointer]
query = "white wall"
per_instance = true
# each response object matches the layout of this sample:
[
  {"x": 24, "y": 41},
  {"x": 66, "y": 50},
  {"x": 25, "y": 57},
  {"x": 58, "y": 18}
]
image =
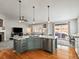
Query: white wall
[
  {"x": 13, "y": 23},
  {"x": 3, "y": 18},
  {"x": 73, "y": 26},
  {"x": 9, "y": 23},
  {"x": 78, "y": 24}
]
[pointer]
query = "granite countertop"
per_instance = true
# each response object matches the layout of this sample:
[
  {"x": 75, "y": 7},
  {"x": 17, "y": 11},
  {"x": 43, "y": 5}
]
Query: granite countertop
[
  {"x": 20, "y": 37},
  {"x": 46, "y": 36},
  {"x": 33, "y": 36}
]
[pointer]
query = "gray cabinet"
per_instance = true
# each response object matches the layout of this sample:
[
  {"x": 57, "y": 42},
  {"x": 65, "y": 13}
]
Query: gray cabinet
[
  {"x": 34, "y": 43},
  {"x": 50, "y": 45},
  {"x": 30, "y": 43},
  {"x": 37, "y": 43},
  {"x": 47, "y": 44},
  {"x": 24, "y": 45},
  {"x": 17, "y": 46},
  {"x": 27, "y": 44},
  {"x": 20, "y": 45}
]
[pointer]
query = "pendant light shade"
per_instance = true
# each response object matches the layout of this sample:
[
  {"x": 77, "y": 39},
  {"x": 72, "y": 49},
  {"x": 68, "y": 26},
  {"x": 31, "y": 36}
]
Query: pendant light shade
[
  {"x": 33, "y": 14},
  {"x": 48, "y": 14},
  {"x": 21, "y": 18},
  {"x": 19, "y": 11}
]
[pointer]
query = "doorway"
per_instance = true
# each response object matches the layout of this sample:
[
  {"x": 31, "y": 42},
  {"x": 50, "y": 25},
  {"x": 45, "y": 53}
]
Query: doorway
[{"x": 61, "y": 32}]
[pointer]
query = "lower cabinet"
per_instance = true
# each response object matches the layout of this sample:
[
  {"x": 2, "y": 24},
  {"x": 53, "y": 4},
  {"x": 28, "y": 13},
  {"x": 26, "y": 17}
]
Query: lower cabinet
[
  {"x": 37, "y": 43},
  {"x": 20, "y": 45},
  {"x": 27, "y": 44},
  {"x": 30, "y": 44},
  {"x": 47, "y": 44},
  {"x": 34, "y": 43}
]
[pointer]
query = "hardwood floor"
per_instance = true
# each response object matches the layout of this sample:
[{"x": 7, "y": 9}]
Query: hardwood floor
[
  {"x": 9, "y": 54},
  {"x": 39, "y": 54}
]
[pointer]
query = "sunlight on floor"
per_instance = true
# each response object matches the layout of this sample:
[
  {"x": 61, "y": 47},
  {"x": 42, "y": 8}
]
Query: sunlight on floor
[{"x": 62, "y": 47}]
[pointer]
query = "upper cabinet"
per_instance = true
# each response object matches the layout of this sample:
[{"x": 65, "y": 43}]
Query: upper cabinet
[
  {"x": 37, "y": 28},
  {"x": 42, "y": 28}
]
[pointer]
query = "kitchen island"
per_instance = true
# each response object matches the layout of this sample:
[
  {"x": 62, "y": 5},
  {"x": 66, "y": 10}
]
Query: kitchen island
[{"x": 32, "y": 42}]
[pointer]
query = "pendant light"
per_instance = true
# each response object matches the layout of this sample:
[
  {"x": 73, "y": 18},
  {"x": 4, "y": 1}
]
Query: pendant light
[
  {"x": 48, "y": 14},
  {"x": 20, "y": 11},
  {"x": 21, "y": 18},
  {"x": 33, "y": 14}
]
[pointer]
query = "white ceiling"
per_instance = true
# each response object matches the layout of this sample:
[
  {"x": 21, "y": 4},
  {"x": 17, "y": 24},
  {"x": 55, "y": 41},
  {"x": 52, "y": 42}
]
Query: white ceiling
[{"x": 59, "y": 9}]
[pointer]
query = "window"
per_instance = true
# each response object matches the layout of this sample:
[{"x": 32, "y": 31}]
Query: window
[{"x": 61, "y": 30}]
